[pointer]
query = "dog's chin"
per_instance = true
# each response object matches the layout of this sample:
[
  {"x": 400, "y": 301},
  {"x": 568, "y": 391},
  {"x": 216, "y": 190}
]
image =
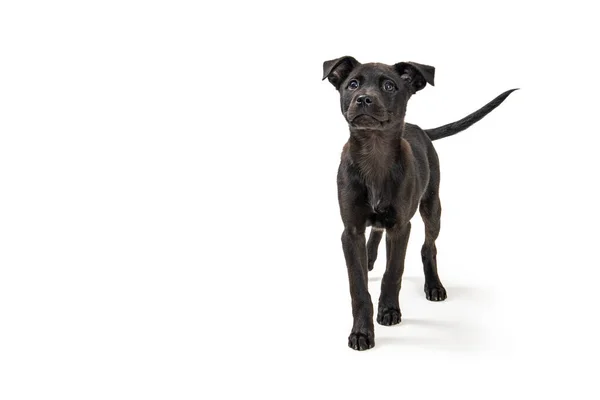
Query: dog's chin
[{"x": 365, "y": 121}]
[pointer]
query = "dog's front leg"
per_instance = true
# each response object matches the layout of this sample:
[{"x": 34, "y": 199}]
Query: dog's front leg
[
  {"x": 362, "y": 336},
  {"x": 396, "y": 240}
]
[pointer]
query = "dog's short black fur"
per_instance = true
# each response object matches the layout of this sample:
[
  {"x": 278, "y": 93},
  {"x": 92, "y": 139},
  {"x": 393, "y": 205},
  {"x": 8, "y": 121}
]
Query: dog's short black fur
[{"x": 388, "y": 169}]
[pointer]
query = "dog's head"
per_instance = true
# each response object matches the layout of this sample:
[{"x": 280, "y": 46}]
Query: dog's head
[{"x": 373, "y": 96}]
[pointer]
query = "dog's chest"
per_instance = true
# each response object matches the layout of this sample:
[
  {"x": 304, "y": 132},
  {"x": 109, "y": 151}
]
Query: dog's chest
[
  {"x": 375, "y": 194},
  {"x": 383, "y": 214}
]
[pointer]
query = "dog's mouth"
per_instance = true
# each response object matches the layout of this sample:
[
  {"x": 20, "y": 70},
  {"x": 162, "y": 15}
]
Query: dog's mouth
[{"x": 366, "y": 121}]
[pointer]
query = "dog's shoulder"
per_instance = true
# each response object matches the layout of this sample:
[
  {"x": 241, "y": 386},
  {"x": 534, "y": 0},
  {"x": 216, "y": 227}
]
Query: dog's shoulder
[
  {"x": 345, "y": 158},
  {"x": 420, "y": 144},
  {"x": 413, "y": 130},
  {"x": 344, "y": 155},
  {"x": 416, "y": 136}
]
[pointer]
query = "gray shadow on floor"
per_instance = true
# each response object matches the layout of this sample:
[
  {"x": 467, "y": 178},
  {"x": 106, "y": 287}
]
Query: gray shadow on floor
[
  {"x": 449, "y": 335},
  {"x": 458, "y": 334},
  {"x": 455, "y": 292}
]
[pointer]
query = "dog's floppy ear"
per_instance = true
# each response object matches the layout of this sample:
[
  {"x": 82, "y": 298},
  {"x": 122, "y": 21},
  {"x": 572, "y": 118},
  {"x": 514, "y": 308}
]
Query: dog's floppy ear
[
  {"x": 338, "y": 70},
  {"x": 417, "y": 75}
]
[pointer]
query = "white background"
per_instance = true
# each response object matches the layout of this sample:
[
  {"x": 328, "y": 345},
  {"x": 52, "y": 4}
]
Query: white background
[{"x": 168, "y": 214}]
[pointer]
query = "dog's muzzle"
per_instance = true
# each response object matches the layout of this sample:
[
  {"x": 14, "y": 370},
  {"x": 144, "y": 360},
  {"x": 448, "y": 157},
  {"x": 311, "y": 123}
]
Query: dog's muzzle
[{"x": 366, "y": 112}]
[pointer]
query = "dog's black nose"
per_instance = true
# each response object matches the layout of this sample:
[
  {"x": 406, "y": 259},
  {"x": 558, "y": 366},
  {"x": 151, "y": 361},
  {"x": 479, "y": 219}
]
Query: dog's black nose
[{"x": 364, "y": 100}]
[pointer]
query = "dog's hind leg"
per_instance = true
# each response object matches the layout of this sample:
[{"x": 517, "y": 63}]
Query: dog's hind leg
[
  {"x": 373, "y": 245},
  {"x": 431, "y": 210}
]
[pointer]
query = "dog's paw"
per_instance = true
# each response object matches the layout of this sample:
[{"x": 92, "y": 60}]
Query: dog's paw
[
  {"x": 389, "y": 316},
  {"x": 435, "y": 292},
  {"x": 361, "y": 340}
]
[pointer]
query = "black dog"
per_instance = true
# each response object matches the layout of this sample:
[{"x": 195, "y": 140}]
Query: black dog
[{"x": 388, "y": 168}]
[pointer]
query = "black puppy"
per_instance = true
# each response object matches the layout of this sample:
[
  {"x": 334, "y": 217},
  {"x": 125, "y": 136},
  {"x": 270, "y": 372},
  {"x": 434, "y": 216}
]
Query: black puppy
[{"x": 388, "y": 168}]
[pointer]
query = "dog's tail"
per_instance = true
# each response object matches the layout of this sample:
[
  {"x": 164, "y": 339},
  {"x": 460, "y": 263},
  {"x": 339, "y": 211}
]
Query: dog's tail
[{"x": 461, "y": 125}]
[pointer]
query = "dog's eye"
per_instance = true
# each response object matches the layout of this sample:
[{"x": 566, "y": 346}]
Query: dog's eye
[
  {"x": 353, "y": 85},
  {"x": 389, "y": 86}
]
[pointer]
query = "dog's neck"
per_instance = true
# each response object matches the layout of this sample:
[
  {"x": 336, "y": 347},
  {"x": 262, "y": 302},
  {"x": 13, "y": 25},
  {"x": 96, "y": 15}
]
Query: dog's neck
[{"x": 375, "y": 153}]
